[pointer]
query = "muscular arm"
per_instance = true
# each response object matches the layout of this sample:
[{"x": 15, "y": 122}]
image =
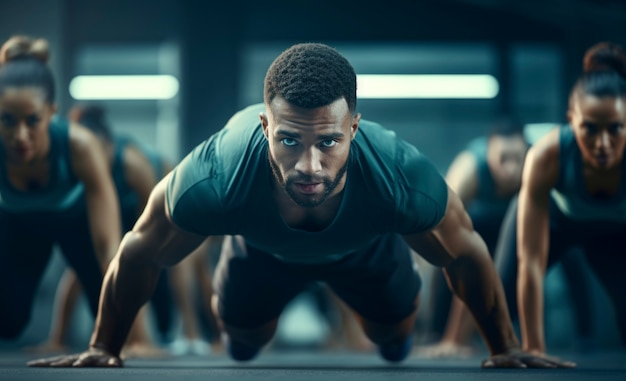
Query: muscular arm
[
  {"x": 91, "y": 167},
  {"x": 153, "y": 243},
  {"x": 455, "y": 246},
  {"x": 540, "y": 175}
]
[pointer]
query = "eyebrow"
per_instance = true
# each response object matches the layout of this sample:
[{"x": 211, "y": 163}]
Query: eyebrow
[{"x": 295, "y": 135}]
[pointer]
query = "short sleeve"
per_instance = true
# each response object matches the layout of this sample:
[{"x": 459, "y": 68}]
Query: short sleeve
[
  {"x": 422, "y": 194},
  {"x": 191, "y": 195}
]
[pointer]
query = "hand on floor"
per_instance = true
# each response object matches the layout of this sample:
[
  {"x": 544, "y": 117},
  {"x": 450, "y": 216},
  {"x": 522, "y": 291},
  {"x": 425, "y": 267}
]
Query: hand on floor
[{"x": 90, "y": 358}]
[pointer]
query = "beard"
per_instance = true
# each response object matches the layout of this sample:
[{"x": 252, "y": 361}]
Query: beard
[{"x": 307, "y": 201}]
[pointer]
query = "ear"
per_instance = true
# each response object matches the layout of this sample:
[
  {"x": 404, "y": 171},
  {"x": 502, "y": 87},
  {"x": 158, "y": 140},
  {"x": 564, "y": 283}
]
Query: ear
[
  {"x": 264, "y": 124},
  {"x": 355, "y": 125},
  {"x": 570, "y": 116}
]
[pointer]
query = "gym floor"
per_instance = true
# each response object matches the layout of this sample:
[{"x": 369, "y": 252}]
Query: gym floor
[{"x": 311, "y": 365}]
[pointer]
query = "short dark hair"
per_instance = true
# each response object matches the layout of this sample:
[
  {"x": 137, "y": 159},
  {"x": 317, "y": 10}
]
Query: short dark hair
[
  {"x": 506, "y": 126},
  {"x": 311, "y": 75}
]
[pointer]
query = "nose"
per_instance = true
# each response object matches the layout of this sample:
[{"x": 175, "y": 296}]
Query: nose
[
  {"x": 603, "y": 141},
  {"x": 309, "y": 163},
  {"x": 21, "y": 133}
]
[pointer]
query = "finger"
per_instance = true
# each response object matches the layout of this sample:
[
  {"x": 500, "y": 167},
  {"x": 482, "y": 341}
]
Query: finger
[
  {"x": 109, "y": 362},
  {"x": 564, "y": 364},
  {"x": 503, "y": 362},
  {"x": 43, "y": 362},
  {"x": 561, "y": 363},
  {"x": 539, "y": 362},
  {"x": 64, "y": 362}
]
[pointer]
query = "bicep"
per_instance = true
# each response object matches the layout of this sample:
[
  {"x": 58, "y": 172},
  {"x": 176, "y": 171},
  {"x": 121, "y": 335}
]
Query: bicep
[{"x": 158, "y": 236}]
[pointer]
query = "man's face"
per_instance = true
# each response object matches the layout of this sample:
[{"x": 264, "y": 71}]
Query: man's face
[
  {"x": 309, "y": 148},
  {"x": 505, "y": 157}
]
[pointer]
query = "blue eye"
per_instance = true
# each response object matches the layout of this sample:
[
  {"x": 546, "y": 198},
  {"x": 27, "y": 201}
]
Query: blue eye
[
  {"x": 288, "y": 142},
  {"x": 32, "y": 120},
  {"x": 590, "y": 128},
  {"x": 615, "y": 128},
  {"x": 8, "y": 120},
  {"x": 329, "y": 143}
]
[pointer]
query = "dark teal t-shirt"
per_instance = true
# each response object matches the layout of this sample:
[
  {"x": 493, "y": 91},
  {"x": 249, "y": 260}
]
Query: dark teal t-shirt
[{"x": 224, "y": 187}]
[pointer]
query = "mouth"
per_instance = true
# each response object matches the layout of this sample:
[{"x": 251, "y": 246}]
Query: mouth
[
  {"x": 20, "y": 150},
  {"x": 602, "y": 159},
  {"x": 308, "y": 188}
]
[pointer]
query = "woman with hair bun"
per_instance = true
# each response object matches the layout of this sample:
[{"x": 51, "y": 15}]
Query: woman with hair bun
[
  {"x": 573, "y": 194},
  {"x": 55, "y": 188}
]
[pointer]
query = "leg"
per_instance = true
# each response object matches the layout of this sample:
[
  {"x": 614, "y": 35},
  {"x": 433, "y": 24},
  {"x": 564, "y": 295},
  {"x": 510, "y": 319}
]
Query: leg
[
  {"x": 606, "y": 258},
  {"x": 74, "y": 239},
  {"x": 251, "y": 290},
  {"x": 575, "y": 269},
  {"x": 381, "y": 285},
  {"x": 347, "y": 325},
  {"x": 24, "y": 255},
  {"x": 67, "y": 294},
  {"x": 162, "y": 305},
  {"x": 203, "y": 275},
  {"x": 440, "y": 298}
]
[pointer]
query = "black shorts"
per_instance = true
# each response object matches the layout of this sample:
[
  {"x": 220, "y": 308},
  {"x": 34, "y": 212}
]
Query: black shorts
[{"x": 380, "y": 283}]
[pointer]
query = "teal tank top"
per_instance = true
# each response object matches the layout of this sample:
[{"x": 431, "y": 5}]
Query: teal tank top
[
  {"x": 570, "y": 195},
  {"x": 63, "y": 190},
  {"x": 224, "y": 187}
]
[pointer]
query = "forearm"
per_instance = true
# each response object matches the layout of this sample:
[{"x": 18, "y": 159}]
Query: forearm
[
  {"x": 105, "y": 228},
  {"x": 128, "y": 284},
  {"x": 530, "y": 304},
  {"x": 474, "y": 280}
]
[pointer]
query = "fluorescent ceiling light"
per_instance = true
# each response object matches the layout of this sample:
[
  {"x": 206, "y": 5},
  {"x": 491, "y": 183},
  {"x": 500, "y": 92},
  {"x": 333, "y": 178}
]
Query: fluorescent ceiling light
[
  {"x": 412, "y": 86},
  {"x": 84, "y": 87}
]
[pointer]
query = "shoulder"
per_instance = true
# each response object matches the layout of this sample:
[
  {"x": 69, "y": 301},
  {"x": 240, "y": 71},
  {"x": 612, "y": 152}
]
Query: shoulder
[
  {"x": 418, "y": 189},
  {"x": 478, "y": 146},
  {"x": 82, "y": 142},
  {"x": 541, "y": 167},
  {"x": 388, "y": 155},
  {"x": 462, "y": 175},
  {"x": 135, "y": 160},
  {"x": 210, "y": 176}
]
